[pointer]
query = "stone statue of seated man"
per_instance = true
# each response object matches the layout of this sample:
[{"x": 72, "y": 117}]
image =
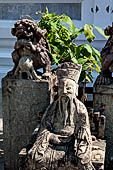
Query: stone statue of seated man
[{"x": 63, "y": 140}]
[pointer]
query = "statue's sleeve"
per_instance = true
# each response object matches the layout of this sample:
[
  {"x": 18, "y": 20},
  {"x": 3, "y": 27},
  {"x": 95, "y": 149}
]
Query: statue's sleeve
[
  {"x": 82, "y": 115},
  {"x": 43, "y": 135},
  {"x": 83, "y": 142}
]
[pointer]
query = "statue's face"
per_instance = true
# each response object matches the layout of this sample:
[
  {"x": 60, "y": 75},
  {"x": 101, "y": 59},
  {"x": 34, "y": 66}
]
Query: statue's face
[{"x": 66, "y": 87}]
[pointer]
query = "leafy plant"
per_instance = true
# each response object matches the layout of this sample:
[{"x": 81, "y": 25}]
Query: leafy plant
[
  {"x": 100, "y": 30},
  {"x": 61, "y": 34}
]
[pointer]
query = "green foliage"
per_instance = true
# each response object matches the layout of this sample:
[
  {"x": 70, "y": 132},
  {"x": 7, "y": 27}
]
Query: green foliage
[
  {"x": 61, "y": 34},
  {"x": 88, "y": 32}
]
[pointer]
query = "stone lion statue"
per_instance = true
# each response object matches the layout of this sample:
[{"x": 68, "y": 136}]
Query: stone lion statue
[{"x": 31, "y": 50}]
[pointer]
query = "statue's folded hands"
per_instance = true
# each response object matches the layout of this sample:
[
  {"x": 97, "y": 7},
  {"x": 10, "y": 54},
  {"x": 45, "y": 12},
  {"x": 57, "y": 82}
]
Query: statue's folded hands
[
  {"x": 54, "y": 139},
  {"x": 60, "y": 139}
]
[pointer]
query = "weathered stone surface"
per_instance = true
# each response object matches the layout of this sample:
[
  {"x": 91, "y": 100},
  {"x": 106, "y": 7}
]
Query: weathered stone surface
[
  {"x": 63, "y": 140},
  {"x": 24, "y": 102},
  {"x": 103, "y": 102},
  {"x": 98, "y": 154}
]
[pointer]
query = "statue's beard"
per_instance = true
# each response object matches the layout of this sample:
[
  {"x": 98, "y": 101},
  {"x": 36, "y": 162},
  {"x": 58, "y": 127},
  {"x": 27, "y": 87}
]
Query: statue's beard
[
  {"x": 66, "y": 110},
  {"x": 65, "y": 97}
]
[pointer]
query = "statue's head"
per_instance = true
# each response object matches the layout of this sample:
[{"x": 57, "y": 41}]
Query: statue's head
[
  {"x": 27, "y": 29},
  {"x": 68, "y": 75}
]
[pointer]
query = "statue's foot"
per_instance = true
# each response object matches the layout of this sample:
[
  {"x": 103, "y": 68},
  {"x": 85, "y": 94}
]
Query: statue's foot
[{"x": 103, "y": 80}]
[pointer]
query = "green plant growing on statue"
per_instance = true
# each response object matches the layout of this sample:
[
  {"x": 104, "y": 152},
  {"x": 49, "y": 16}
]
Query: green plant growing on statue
[{"x": 61, "y": 35}]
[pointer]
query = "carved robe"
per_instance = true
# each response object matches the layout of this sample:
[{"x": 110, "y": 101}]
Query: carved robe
[{"x": 63, "y": 140}]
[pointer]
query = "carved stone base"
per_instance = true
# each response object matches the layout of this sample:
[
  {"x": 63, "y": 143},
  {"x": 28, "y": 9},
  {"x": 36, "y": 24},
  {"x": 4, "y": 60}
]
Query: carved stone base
[
  {"x": 98, "y": 154},
  {"x": 24, "y": 102}
]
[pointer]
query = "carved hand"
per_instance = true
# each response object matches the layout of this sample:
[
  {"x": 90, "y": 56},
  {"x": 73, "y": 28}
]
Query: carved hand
[{"x": 54, "y": 139}]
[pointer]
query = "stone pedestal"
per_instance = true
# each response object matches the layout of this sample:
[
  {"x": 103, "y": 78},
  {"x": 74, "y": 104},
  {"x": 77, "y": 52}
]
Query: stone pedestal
[
  {"x": 24, "y": 102},
  {"x": 98, "y": 154},
  {"x": 103, "y": 102}
]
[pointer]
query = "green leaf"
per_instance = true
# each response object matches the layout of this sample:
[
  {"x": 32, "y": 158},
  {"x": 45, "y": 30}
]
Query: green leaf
[
  {"x": 55, "y": 48},
  {"x": 100, "y": 30},
  {"x": 95, "y": 51},
  {"x": 77, "y": 33},
  {"x": 74, "y": 60},
  {"x": 68, "y": 20},
  {"x": 82, "y": 60},
  {"x": 70, "y": 52},
  {"x": 82, "y": 76},
  {"x": 86, "y": 66},
  {"x": 88, "y": 31},
  {"x": 89, "y": 78},
  {"x": 73, "y": 27},
  {"x": 97, "y": 68},
  {"x": 47, "y": 11},
  {"x": 78, "y": 51},
  {"x": 97, "y": 54},
  {"x": 94, "y": 63},
  {"x": 86, "y": 49},
  {"x": 55, "y": 58},
  {"x": 60, "y": 41},
  {"x": 64, "y": 33}
]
